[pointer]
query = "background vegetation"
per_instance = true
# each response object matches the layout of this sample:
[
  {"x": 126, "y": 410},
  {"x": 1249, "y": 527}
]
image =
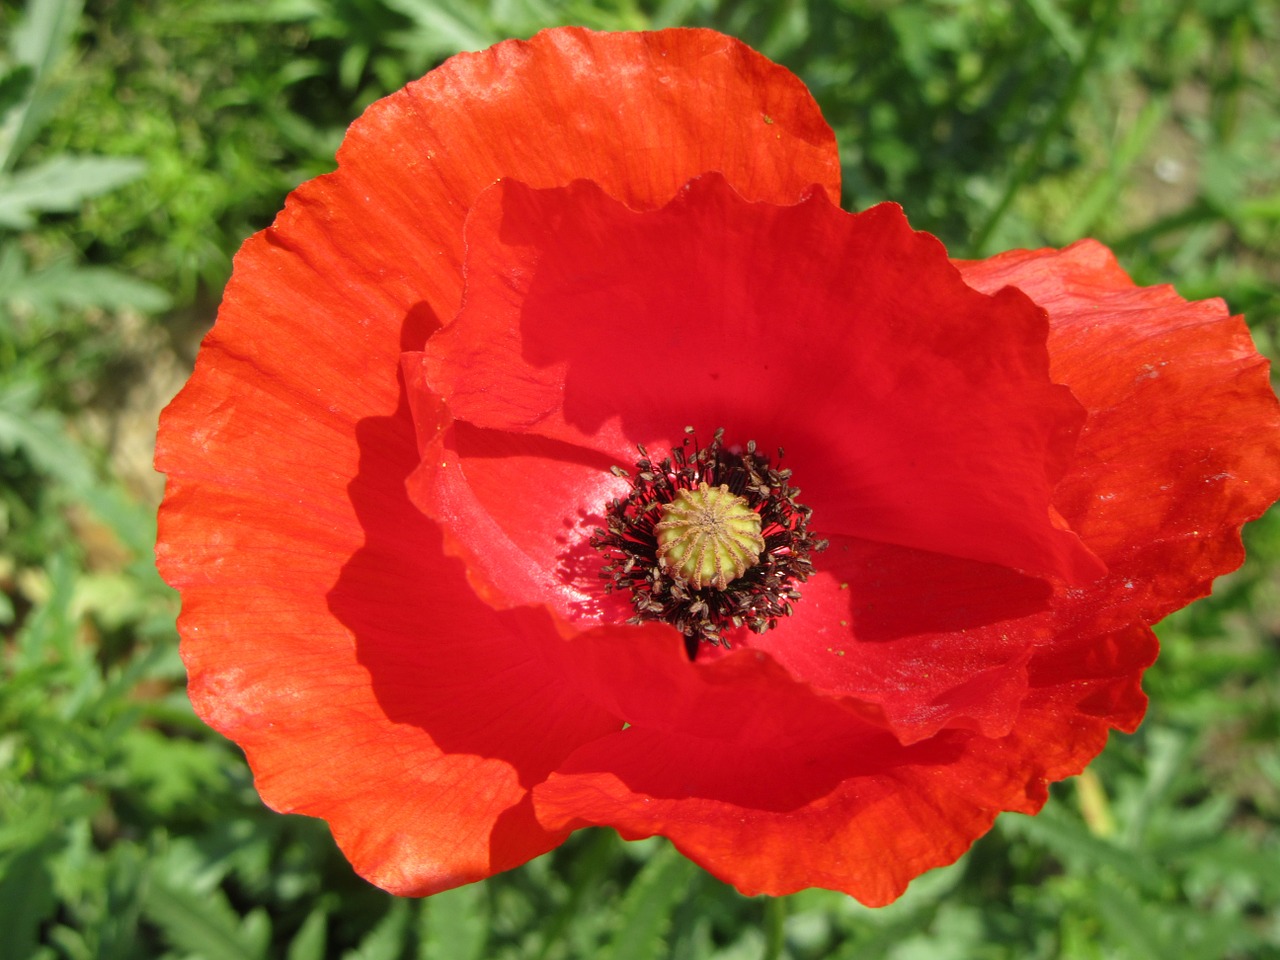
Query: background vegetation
[{"x": 142, "y": 140}]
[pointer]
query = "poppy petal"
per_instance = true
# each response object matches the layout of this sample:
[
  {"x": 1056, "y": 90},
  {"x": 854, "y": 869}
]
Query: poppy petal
[
  {"x": 649, "y": 111},
  {"x": 933, "y": 641},
  {"x": 343, "y": 709},
  {"x": 1180, "y": 446},
  {"x": 756, "y": 819},
  {"x": 310, "y": 582},
  {"x": 774, "y": 790},
  {"x": 528, "y": 549}
]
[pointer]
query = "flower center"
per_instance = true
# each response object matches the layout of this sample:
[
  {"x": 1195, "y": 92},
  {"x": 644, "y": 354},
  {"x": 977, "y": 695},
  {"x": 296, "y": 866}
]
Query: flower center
[
  {"x": 708, "y": 536},
  {"x": 708, "y": 540}
]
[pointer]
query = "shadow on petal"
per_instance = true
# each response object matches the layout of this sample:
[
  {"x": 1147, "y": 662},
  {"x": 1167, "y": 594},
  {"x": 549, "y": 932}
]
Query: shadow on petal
[
  {"x": 481, "y": 688},
  {"x": 477, "y": 680}
]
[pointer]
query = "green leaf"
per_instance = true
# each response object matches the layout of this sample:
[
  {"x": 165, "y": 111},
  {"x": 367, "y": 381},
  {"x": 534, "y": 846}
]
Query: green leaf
[
  {"x": 449, "y": 26},
  {"x": 60, "y": 185},
  {"x": 311, "y": 938},
  {"x": 270, "y": 11},
  {"x": 166, "y": 774},
  {"x": 15, "y": 84},
  {"x": 1071, "y": 843},
  {"x": 50, "y": 630},
  {"x": 64, "y": 284},
  {"x": 1149, "y": 930},
  {"x": 41, "y": 435},
  {"x": 387, "y": 940},
  {"x": 43, "y": 32},
  {"x": 645, "y": 914},
  {"x": 955, "y": 934},
  {"x": 204, "y": 924},
  {"x": 26, "y": 899},
  {"x": 39, "y": 40},
  {"x": 454, "y": 924},
  {"x": 1058, "y": 26}
]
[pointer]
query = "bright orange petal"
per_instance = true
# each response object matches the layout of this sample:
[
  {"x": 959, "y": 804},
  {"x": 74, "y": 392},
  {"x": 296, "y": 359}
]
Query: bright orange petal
[
  {"x": 317, "y": 600},
  {"x": 1182, "y": 443}
]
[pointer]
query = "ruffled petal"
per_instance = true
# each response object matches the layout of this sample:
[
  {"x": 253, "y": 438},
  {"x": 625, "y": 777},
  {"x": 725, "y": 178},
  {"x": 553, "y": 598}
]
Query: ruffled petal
[
  {"x": 756, "y": 820},
  {"x": 638, "y": 113},
  {"x": 1182, "y": 443},
  {"x": 413, "y": 720},
  {"x": 323, "y": 628},
  {"x": 775, "y": 790}
]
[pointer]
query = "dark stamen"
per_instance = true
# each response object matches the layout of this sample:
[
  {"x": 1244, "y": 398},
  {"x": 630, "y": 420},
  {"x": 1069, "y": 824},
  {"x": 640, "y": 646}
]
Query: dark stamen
[{"x": 756, "y": 599}]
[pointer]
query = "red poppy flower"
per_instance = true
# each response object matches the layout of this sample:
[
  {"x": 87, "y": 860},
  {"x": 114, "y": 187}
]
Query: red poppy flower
[{"x": 418, "y": 596}]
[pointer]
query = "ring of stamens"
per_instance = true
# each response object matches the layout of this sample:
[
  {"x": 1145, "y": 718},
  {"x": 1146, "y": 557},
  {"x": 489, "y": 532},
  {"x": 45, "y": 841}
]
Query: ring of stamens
[{"x": 685, "y": 545}]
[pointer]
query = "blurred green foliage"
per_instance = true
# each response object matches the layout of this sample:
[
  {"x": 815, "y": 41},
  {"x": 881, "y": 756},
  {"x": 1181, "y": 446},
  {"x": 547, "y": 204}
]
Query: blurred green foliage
[{"x": 142, "y": 140}]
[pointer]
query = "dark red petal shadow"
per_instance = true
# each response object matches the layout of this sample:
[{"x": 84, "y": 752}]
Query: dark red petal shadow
[
  {"x": 313, "y": 590},
  {"x": 913, "y": 410},
  {"x": 543, "y": 553},
  {"x": 932, "y": 641},
  {"x": 405, "y": 711}
]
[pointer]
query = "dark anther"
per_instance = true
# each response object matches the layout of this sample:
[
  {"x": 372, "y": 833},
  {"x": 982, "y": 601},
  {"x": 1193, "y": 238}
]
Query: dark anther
[{"x": 756, "y": 599}]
